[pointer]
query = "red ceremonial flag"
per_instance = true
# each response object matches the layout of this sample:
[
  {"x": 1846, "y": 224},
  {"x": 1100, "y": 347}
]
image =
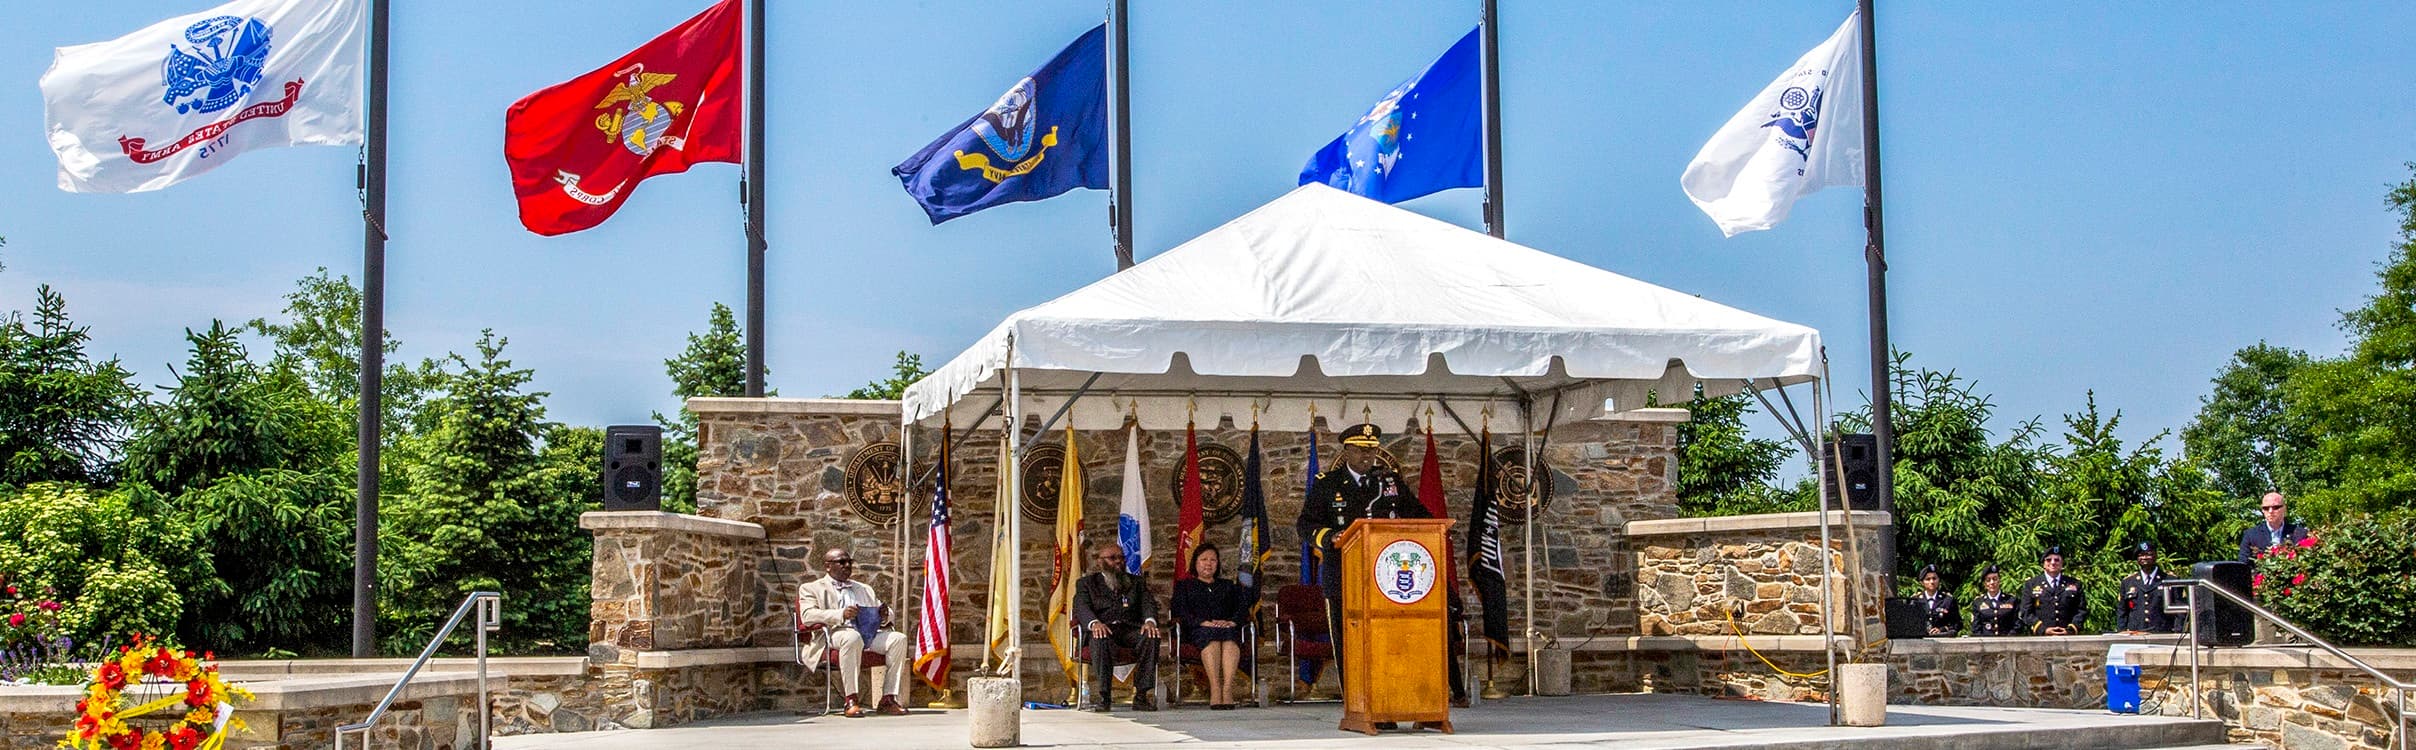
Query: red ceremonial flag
[
  {"x": 1430, "y": 480},
  {"x": 579, "y": 148},
  {"x": 1189, "y": 519}
]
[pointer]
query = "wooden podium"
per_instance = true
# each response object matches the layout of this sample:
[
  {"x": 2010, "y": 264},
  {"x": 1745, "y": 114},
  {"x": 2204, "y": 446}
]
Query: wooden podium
[{"x": 1395, "y": 624}]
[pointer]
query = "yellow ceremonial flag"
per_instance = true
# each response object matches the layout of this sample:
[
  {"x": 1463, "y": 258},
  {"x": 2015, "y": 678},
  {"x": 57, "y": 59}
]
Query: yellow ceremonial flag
[
  {"x": 1002, "y": 564},
  {"x": 1068, "y": 569}
]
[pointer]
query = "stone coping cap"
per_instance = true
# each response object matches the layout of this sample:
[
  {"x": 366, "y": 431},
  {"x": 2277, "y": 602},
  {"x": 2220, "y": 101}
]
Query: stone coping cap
[
  {"x": 2394, "y": 660},
  {"x": 1756, "y": 522},
  {"x": 703, "y": 405},
  {"x": 1646, "y": 415},
  {"x": 2092, "y": 644},
  {"x": 285, "y": 694},
  {"x": 601, "y": 520},
  {"x": 508, "y": 666},
  {"x": 708, "y": 657}
]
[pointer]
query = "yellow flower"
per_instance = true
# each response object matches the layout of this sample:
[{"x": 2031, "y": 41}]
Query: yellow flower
[
  {"x": 202, "y": 716},
  {"x": 155, "y": 741}
]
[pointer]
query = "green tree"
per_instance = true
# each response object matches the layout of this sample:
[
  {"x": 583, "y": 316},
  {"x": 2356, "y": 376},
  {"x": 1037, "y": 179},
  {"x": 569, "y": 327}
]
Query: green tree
[
  {"x": 2362, "y": 407},
  {"x": 2245, "y": 435},
  {"x": 1956, "y": 484},
  {"x": 1722, "y": 469},
  {"x": 320, "y": 340},
  {"x": 260, "y": 470},
  {"x": 907, "y": 369},
  {"x": 120, "y": 560},
  {"x": 482, "y": 507},
  {"x": 62, "y": 415},
  {"x": 714, "y": 364}
]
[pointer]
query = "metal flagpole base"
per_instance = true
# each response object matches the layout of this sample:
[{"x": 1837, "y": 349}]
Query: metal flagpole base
[{"x": 946, "y": 699}]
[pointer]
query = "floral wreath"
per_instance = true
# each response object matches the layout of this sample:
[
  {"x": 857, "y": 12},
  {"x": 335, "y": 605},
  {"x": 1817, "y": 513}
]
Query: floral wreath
[{"x": 208, "y": 715}]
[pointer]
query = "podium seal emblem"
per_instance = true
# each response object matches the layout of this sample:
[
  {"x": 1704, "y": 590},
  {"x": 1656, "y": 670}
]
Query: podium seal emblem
[{"x": 1405, "y": 572}]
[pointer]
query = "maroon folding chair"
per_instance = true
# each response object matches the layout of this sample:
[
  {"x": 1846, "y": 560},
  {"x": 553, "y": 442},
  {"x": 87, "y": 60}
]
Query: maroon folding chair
[
  {"x": 802, "y": 632},
  {"x": 1300, "y": 623}
]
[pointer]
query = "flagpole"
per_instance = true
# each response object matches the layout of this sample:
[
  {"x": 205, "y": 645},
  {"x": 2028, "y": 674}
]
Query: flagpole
[
  {"x": 1491, "y": 41},
  {"x": 1119, "y": 189},
  {"x": 1874, "y": 256},
  {"x": 373, "y": 344},
  {"x": 750, "y": 194}
]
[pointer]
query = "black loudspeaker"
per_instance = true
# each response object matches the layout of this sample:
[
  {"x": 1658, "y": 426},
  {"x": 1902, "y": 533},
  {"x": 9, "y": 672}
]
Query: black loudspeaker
[
  {"x": 1861, "y": 456},
  {"x": 633, "y": 467},
  {"x": 2220, "y": 622},
  {"x": 1906, "y": 618}
]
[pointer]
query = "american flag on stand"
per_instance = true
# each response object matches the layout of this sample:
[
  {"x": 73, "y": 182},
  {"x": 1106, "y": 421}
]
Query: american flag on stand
[{"x": 931, "y": 634}]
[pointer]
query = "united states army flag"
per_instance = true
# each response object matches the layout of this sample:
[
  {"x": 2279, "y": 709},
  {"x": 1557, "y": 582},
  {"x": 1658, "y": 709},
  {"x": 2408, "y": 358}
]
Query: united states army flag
[
  {"x": 1801, "y": 134},
  {"x": 182, "y": 96}
]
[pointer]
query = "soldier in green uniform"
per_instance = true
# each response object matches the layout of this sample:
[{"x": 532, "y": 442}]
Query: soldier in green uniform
[
  {"x": 2142, "y": 604},
  {"x": 1358, "y": 489},
  {"x": 1993, "y": 611},
  {"x": 2051, "y": 603}
]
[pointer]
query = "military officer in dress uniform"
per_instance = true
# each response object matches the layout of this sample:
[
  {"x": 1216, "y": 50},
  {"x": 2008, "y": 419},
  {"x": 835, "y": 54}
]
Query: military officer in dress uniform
[
  {"x": 2051, "y": 603},
  {"x": 1940, "y": 606},
  {"x": 2142, "y": 605},
  {"x": 1993, "y": 611},
  {"x": 1358, "y": 489}
]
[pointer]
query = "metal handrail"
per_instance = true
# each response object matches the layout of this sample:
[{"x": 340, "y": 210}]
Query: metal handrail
[
  {"x": 2399, "y": 688},
  {"x": 489, "y": 606}
]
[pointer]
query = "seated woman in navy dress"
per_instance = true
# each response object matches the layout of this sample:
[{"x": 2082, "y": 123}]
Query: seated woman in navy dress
[{"x": 1211, "y": 608}]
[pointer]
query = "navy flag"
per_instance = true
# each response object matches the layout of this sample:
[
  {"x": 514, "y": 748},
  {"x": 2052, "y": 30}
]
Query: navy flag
[
  {"x": 1424, "y": 136},
  {"x": 1045, "y": 136}
]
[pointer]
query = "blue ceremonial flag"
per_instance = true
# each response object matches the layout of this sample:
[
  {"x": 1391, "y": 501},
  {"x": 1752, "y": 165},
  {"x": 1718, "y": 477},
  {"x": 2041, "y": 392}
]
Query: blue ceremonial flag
[
  {"x": 1424, "y": 136},
  {"x": 1045, "y": 136}
]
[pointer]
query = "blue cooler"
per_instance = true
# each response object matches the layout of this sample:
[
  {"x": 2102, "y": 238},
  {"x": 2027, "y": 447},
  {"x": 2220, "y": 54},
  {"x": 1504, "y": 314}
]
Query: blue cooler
[{"x": 2122, "y": 681}]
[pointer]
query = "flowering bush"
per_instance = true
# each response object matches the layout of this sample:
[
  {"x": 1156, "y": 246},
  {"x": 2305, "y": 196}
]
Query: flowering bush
[{"x": 2353, "y": 583}]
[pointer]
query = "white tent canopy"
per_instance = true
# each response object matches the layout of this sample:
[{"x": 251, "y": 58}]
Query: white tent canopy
[{"x": 1328, "y": 301}]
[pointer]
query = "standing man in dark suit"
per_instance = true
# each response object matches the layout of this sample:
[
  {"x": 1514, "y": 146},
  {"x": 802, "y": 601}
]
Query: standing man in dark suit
[
  {"x": 1942, "y": 620},
  {"x": 2142, "y": 605},
  {"x": 1114, "y": 609},
  {"x": 2275, "y": 530},
  {"x": 1359, "y": 489},
  {"x": 1993, "y": 612},
  {"x": 2052, "y": 603}
]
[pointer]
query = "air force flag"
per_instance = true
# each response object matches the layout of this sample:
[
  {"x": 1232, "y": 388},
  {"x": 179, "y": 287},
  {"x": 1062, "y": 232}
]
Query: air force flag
[
  {"x": 182, "y": 96},
  {"x": 1423, "y": 137},
  {"x": 1045, "y": 136},
  {"x": 1801, "y": 134}
]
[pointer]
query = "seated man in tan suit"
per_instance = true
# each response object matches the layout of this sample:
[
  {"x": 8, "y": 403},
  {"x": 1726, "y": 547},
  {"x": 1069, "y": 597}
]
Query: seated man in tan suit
[{"x": 846, "y": 608}]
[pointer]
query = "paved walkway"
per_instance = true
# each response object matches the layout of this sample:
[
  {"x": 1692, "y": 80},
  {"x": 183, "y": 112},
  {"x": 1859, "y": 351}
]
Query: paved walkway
[{"x": 1626, "y": 721}]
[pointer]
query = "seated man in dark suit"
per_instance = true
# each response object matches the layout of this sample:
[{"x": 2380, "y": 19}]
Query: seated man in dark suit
[
  {"x": 2274, "y": 531},
  {"x": 1115, "y": 609}
]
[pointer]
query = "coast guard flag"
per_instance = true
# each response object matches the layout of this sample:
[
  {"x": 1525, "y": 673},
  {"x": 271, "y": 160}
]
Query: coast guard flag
[
  {"x": 577, "y": 149},
  {"x": 1423, "y": 137},
  {"x": 182, "y": 96},
  {"x": 1132, "y": 514},
  {"x": 1801, "y": 134},
  {"x": 1045, "y": 136}
]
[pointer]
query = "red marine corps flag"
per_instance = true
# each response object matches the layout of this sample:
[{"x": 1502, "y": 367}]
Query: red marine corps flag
[{"x": 578, "y": 148}]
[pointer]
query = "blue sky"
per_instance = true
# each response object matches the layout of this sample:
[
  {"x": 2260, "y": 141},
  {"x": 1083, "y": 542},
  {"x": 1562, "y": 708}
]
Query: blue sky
[{"x": 2081, "y": 195}]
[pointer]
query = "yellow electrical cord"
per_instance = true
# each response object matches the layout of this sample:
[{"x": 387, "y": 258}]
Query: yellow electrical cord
[{"x": 1740, "y": 634}]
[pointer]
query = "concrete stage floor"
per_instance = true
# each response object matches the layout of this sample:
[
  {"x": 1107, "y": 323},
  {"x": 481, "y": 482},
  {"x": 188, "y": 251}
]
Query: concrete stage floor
[{"x": 1625, "y": 721}]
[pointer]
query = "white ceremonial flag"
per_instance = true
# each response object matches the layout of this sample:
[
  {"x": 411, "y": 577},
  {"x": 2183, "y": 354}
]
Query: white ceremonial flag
[
  {"x": 1132, "y": 514},
  {"x": 178, "y": 98},
  {"x": 1801, "y": 134}
]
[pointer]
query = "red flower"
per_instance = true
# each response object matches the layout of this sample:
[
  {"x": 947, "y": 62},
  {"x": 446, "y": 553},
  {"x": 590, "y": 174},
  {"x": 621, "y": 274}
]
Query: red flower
[
  {"x": 2307, "y": 542},
  {"x": 12, "y": 589},
  {"x": 2256, "y": 581},
  {"x": 2286, "y": 591},
  {"x": 197, "y": 694},
  {"x": 16, "y": 619},
  {"x": 113, "y": 676},
  {"x": 2298, "y": 579},
  {"x": 162, "y": 664},
  {"x": 184, "y": 737},
  {"x": 126, "y": 741},
  {"x": 50, "y": 605}
]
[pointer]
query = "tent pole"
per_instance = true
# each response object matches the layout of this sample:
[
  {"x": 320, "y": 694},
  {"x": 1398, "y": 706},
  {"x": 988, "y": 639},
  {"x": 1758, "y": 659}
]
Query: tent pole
[
  {"x": 905, "y": 515},
  {"x": 1014, "y": 472},
  {"x": 1828, "y": 607},
  {"x": 1526, "y": 546}
]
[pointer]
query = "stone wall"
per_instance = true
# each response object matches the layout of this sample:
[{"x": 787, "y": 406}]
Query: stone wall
[
  {"x": 2290, "y": 697},
  {"x": 1752, "y": 575},
  {"x": 666, "y": 582},
  {"x": 781, "y": 464},
  {"x": 437, "y": 711}
]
